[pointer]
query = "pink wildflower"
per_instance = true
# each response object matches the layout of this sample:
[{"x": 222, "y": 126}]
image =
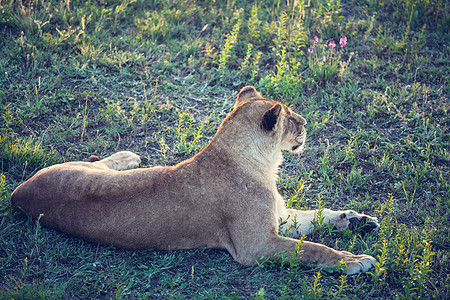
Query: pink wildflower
[
  {"x": 310, "y": 50},
  {"x": 332, "y": 44},
  {"x": 343, "y": 41},
  {"x": 316, "y": 40},
  {"x": 286, "y": 68}
]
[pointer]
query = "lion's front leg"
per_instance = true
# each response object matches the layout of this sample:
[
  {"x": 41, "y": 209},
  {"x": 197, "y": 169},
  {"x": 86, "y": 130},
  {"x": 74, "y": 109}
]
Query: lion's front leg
[
  {"x": 298, "y": 223},
  {"x": 306, "y": 252},
  {"x": 122, "y": 160},
  {"x": 323, "y": 256}
]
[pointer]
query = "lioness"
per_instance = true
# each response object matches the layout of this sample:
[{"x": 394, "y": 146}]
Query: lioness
[{"x": 224, "y": 197}]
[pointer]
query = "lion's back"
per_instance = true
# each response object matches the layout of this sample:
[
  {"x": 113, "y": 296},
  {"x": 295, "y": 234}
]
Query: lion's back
[{"x": 59, "y": 191}]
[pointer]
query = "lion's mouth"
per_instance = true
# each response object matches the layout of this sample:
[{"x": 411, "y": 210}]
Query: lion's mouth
[{"x": 300, "y": 140}]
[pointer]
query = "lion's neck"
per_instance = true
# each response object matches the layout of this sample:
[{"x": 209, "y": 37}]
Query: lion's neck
[{"x": 262, "y": 164}]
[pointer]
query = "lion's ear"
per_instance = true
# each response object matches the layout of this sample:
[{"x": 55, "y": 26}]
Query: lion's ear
[
  {"x": 246, "y": 93},
  {"x": 270, "y": 118}
]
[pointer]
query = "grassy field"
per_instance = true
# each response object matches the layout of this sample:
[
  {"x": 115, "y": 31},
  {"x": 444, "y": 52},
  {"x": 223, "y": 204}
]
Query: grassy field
[{"x": 157, "y": 77}]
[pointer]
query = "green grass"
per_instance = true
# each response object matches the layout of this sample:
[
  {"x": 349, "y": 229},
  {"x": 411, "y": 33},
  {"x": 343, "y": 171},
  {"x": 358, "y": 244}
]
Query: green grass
[{"x": 157, "y": 77}]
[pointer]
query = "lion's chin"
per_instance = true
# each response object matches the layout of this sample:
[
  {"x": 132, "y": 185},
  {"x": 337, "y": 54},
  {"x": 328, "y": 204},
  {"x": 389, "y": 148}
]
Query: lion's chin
[
  {"x": 297, "y": 149},
  {"x": 300, "y": 144}
]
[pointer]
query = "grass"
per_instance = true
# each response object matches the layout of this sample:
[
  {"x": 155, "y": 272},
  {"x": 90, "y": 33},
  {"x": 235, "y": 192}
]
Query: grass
[{"x": 157, "y": 77}]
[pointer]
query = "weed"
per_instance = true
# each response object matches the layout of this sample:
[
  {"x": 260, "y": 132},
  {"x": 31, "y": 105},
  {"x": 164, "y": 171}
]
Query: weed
[
  {"x": 230, "y": 41},
  {"x": 23, "y": 155},
  {"x": 325, "y": 59},
  {"x": 318, "y": 217},
  {"x": 259, "y": 295},
  {"x": 4, "y": 205},
  {"x": 315, "y": 292},
  {"x": 188, "y": 135}
]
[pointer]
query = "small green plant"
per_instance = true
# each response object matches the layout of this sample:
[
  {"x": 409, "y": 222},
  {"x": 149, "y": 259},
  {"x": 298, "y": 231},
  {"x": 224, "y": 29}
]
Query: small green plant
[
  {"x": 342, "y": 285},
  {"x": 5, "y": 207},
  {"x": 37, "y": 239},
  {"x": 254, "y": 24},
  {"x": 324, "y": 59},
  {"x": 315, "y": 292},
  {"x": 379, "y": 273},
  {"x": 297, "y": 197},
  {"x": 259, "y": 295},
  {"x": 319, "y": 218},
  {"x": 188, "y": 134},
  {"x": 292, "y": 260},
  {"x": 250, "y": 63},
  {"x": 230, "y": 41},
  {"x": 328, "y": 15},
  {"x": 245, "y": 62},
  {"x": 354, "y": 180},
  {"x": 383, "y": 42},
  {"x": 286, "y": 81},
  {"x": 24, "y": 154}
]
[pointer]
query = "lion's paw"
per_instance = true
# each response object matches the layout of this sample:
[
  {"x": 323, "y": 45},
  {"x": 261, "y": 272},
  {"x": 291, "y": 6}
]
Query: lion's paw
[
  {"x": 358, "y": 263},
  {"x": 354, "y": 220},
  {"x": 366, "y": 223},
  {"x": 122, "y": 160}
]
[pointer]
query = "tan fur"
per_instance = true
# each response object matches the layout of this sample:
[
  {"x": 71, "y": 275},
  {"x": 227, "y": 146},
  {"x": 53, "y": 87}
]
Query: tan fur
[{"x": 223, "y": 197}]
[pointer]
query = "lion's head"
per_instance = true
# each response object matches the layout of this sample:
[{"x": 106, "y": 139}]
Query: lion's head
[{"x": 264, "y": 125}]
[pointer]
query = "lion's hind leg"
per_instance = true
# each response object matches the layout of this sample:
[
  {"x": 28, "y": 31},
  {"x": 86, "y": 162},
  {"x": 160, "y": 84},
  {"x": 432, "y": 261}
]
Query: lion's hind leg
[{"x": 122, "y": 160}]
